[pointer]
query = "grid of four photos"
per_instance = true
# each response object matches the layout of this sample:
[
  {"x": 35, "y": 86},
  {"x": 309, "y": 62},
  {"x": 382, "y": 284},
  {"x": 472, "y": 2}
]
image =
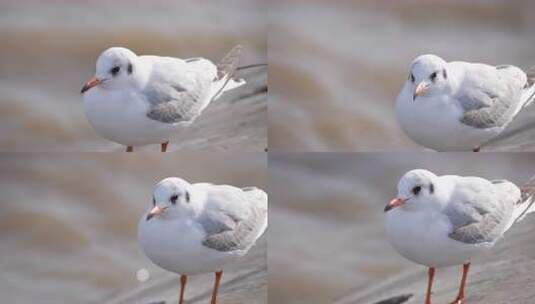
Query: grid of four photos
[{"x": 140, "y": 143}]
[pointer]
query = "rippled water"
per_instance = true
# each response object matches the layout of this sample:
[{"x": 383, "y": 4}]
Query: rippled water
[
  {"x": 49, "y": 49},
  {"x": 68, "y": 222},
  {"x": 329, "y": 209},
  {"x": 336, "y": 67}
]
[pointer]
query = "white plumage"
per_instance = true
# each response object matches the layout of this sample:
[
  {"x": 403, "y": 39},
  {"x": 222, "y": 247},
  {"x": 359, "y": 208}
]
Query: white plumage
[
  {"x": 458, "y": 106},
  {"x": 139, "y": 100}
]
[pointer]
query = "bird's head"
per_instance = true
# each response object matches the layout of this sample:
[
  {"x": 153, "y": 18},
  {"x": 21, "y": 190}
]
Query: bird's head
[
  {"x": 171, "y": 198},
  {"x": 116, "y": 68},
  {"x": 416, "y": 190},
  {"x": 428, "y": 76}
]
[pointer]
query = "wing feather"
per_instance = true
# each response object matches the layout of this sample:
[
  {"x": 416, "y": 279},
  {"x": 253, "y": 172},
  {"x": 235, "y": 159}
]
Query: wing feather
[
  {"x": 178, "y": 90},
  {"x": 237, "y": 217},
  {"x": 491, "y": 96},
  {"x": 480, "y": 212}
]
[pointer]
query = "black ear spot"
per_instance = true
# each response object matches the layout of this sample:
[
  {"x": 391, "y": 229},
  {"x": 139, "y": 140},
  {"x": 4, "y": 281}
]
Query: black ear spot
[
  {"x": 173, "y": 199},
  {"x": 130, "y": 68},
  {"x": 444, "y": 74},
  {"x": 187, "y": 196},
  {"x": 431, "y": 188}
]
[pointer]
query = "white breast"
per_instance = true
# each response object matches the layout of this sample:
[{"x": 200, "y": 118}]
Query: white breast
[
  {"x": 121, "y": 116},
  {"x": 435, "y": 123},
  {"x": 177, "y": 247},
  {"x": 423, "y": 238}
]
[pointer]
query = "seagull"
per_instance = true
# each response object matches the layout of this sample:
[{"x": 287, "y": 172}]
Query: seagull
[
  {"x": 199, "y": 228},
  {"x": 441, "y": 221},
  {"x": 459, "y": 106},
  {"x": 140, "y": 100}
]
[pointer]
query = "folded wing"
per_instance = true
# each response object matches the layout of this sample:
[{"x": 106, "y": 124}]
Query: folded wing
[
  {"x": 491, "y": 96},
  {"x": 234, "y": 218},
  {"x": 178, "y": 90},
  {"x": 481, "y": 210}
]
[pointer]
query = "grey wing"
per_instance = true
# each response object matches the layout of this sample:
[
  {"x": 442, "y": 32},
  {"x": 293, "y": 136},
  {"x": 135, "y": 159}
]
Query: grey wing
[
  {"x": 228, "y": 231},
  {"x": 483, "y": 215},
  {"x": 172, "y": 103},
  {"x": 177, "y": 89},
  {"x": 491, "y": 96}
]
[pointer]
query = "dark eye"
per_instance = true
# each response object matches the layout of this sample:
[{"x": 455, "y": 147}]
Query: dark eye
[
  {"x": 173, "y": 199},
  {"x": 416, "y": 190},
  {"x": 153, "y": 201},
  {"x": 433, "y": 76},
  {"x": 115, "y": 70},
  {"x": 411, "y": 77}
]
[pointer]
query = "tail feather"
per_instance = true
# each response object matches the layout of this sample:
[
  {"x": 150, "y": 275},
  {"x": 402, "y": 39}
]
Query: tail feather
[
  {"x": 531, "y": 76},
  {"x": 227, "y": 66},
  {"x": 528, "y": 95},
  {"x": 529, "y": 92},
  {"x": 527, "y": 202},
  {"x": 225, "y": 72}
]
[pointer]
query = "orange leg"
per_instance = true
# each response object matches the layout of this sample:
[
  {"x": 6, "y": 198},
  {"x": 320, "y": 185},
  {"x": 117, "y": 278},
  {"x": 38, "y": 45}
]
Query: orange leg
[
  {"x": 183, "y": 281},
  {"x": 164, "y": 146},
  {"x": 431, "y": 275},
  {"x": 216, "y": 286},
  {"x": 460, "y": 296},
  {"x": 129, "y": 149}
]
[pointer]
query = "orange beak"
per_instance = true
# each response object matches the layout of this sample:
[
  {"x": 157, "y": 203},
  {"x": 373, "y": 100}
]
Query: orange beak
[
  {"x": 394, "y": 203},
  {"x": 420, "y": 90},
  {"x": 91, "y": 83},
  {"x": 154, "y": 212}
]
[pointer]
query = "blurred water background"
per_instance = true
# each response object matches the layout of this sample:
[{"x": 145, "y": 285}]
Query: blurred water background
[
  {"x": 49, "y": 49},
  {"x": 68, "y": 227},
  {"x": 327, "y": 237},
  {"x": 336, "y": 67}
]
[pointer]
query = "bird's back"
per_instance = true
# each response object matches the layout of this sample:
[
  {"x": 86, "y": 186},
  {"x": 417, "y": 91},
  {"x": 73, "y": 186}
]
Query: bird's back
[
  {"x": 238, "y": 201},
  {"x": 176, "y": 71}
]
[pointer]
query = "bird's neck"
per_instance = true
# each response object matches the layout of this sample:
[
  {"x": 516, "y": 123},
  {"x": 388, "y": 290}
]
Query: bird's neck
[
  {"x": 142, "y": 74},
  {"x": 453, "y": 82}
]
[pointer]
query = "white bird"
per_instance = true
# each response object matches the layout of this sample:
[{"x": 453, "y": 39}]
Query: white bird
[
  {"x": 140, "y": 100},
  {"x": 440, "y": 221},
  {"x": 199, "y": 228},
  {"x": 459, "y": 106}
]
